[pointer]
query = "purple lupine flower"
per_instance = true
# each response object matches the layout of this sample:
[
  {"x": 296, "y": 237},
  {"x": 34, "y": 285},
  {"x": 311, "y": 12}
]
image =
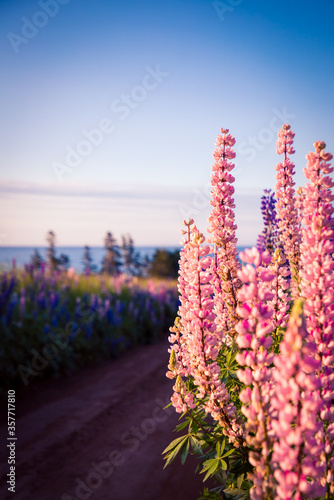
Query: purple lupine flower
[
  {"x": 268, "y": 239},
  {"x": 22, "y": 303},
  {"x": 54, "y": 300}
]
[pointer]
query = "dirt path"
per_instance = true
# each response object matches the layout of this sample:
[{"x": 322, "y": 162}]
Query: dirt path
[{"x": 99, "y": 435}]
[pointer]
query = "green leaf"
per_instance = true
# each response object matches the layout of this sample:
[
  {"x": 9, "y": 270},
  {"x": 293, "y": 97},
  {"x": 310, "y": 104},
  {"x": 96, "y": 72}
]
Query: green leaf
[
  {"x": 240, "y": 480},
  {"x": 181, "y": 426},
  {"x": 196, "y": 445},
  {"x": 172, "y": 454},
  {"x": 167, "y": 406},
  {"x": 220, "y": 448},
  {"x": 237, "y": 493},
  {"x": 223, "y": 464},
  {"x": 194, "y": 427},
  {"x": 228, "y": 453},
  {"x": 207, "y": 475},
  {"x": 209, "y": 463},
  {"x": 174, "y": 443},
  {"x": 185, "y": 451},
  {"x": 211, "y": 468},
  {"x": 233, "y": 357}
]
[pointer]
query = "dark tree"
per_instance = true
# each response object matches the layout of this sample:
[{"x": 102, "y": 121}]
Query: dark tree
[
  {"x": 36, "y": 259},
  {"x": 132, "y": 263},
  {"x": 63, "y": 262},
  {"x": 165, "y": 264},
  {"x": 55, "y": 263},
  {"x": 112, "y": 259},
  {"x": 87, "y": 260},
  {"x": 52, "y": 261}
]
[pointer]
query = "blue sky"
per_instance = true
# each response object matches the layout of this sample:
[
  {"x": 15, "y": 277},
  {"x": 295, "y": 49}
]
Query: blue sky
[{"x": 159, "y": 79}]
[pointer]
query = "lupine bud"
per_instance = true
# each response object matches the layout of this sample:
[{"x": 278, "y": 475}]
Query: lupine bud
[{"x": 172, "y": 360}]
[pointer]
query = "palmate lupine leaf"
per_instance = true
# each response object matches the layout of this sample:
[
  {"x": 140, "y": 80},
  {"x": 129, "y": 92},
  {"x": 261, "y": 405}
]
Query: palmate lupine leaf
[{"x": 174, "y": 448}]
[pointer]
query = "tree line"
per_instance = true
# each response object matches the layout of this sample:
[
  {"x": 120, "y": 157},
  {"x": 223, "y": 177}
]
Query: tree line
[{"x": 123, "y": 258}]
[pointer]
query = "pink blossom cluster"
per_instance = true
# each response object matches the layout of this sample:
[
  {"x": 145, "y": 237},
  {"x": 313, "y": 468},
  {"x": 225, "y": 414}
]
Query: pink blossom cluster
[
  {"x": 300, "y": 196},
  {"x": 281, "y": 301},
  {"x": 254, "y": 341},
  {"x": 195, "y": 339},
  {"x": 222, "y": 228},
  {"x": 295, "y": 405},
  {"x": 317, "y": 280},
  {"x": 286, "y": 421},
  {"x": 285, "y": 194}
]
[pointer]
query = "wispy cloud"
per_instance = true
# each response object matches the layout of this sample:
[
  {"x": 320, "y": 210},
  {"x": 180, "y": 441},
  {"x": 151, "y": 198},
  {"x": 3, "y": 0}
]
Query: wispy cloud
[
  {"x": 116, "y": 191},
  {"x": 80, "y": 213},
  {"x": 104, "y": 190}
]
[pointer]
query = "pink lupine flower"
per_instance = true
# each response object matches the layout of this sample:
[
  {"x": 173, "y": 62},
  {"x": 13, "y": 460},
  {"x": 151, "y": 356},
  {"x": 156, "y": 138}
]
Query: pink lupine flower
[
  {"x": 299, "y": 201},
  {"x": 297, "y": 449},
  {"x": 196, "y": 342},
  {"x": 222, "y": 228},
  {"x": 317, "y": 278},
  {"x": 182, "y": 399},
  {"x": 281, "y": 301},
  {"x": 254, "y": 339},
  {"x": 71, "y": 272},
  {"x": 286, "y": 210},
  {"x": 287, "y": 398}
]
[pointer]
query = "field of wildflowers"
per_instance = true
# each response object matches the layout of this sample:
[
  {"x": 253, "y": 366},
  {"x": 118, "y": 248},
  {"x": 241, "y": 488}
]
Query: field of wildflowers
[
  {"x": 252, "y": 346},
  {"x": 55, "y": 321}
]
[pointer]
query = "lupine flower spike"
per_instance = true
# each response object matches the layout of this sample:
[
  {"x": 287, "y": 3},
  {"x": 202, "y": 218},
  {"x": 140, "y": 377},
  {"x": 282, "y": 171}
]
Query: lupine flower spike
[
  {"x": 195, "y": 341},
  {"x": 317, "y": 281},
  {"x": 254, "y": 340},
  {"x": 242, "y": 354},
  {"x": 297, "y": 451},
  {"x": 286, "y": 209},
  {"x": 268, "y": 239},
  {"x": 222, "y": 228}
]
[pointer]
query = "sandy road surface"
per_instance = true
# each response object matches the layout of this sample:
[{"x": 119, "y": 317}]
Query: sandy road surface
[{"x": 99, "y": 435}]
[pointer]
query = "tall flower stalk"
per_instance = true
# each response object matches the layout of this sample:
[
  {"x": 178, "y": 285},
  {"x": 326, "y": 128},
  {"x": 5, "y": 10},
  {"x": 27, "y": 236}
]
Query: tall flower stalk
[
  {"x": 222, "y": 228},
  {"x": 196, "y": 343},
  {"x": 286, "y": 209},
  {"x": 239, "y": 355},
  {"x": 268, "y": 239},
  {"x": 296, "y": 451},
  {"x": 300, "y": 196},
  {"x": 317, "y": 282},
  {"x": 281, "y": 301},
  {"x": 254, "y": 340}
]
